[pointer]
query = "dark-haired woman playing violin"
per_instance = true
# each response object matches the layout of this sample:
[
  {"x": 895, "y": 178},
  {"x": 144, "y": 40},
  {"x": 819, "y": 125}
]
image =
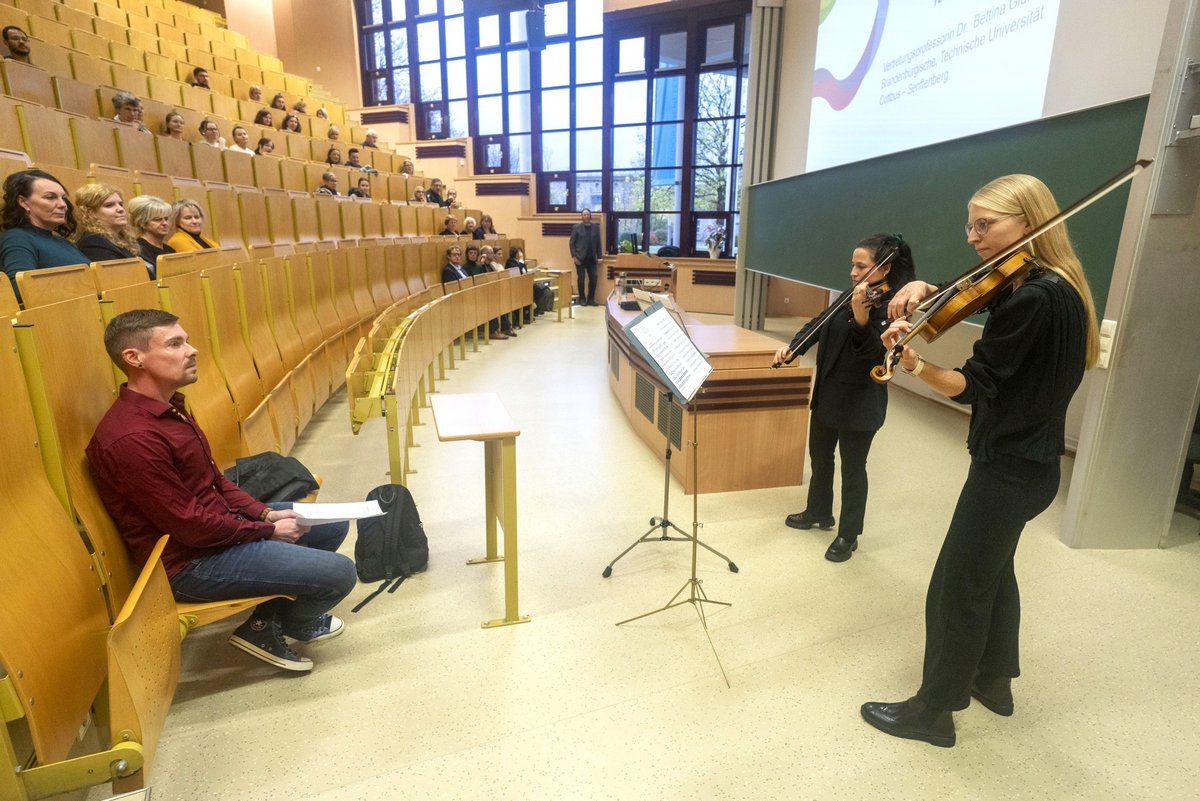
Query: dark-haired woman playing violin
[
  {"x": 1039, "y": 337},
  {"x": 847, "y": 406}
]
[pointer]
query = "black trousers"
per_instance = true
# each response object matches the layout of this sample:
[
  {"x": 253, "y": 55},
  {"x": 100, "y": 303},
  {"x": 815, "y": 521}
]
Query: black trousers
[
  {"x": 853, "y": 447},
  {"x": 588, "y": 271},
  {"x": 973, "y": 608}
]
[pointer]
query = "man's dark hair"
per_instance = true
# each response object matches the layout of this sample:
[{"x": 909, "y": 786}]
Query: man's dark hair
[
  {"x": 132, "y": 329},
  {"x": 352, "y": 151},
  {"x": 196, "y": 72},
  {"x": 7, "y": 28}
]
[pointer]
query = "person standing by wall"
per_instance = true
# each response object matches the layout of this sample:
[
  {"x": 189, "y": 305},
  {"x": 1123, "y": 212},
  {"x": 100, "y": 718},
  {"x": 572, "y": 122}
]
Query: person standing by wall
[{"x": 585, "y": 252}]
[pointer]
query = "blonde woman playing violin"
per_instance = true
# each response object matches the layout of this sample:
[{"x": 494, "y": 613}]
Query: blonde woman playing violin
[
  {"x": 1039, "y": 337},
  {"x": 847, "y": 406}
]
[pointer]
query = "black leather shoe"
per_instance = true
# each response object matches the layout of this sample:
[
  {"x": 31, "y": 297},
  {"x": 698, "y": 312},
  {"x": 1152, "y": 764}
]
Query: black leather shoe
[
  {"x": 841, "y": 549},
  {"x": 994, "y": 693},
  {"x": 912, "y": 720},
  {"x": 804, "y": 520}
]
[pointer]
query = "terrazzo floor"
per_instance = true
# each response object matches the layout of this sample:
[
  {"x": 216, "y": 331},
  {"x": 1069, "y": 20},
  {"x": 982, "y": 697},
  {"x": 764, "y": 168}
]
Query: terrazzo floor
[{"x": 415, "y": 701}]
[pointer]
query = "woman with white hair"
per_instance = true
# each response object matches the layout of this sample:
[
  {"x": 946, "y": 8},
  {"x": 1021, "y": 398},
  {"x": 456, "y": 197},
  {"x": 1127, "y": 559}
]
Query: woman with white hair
[{"x": 150, "y": 217}]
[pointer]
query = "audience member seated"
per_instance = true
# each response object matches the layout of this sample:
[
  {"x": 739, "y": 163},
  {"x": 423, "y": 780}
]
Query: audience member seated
[
  {"x": 434, "y": 193},
  {"x": 187, "y": 223},
  {"x": 255, "y": 93},
  {"x": 322, "y": 113},
  {"x": 486, "y": 228},
  {"x": 264, "y": 145},
  {"x": 333, "y": 156},
  {"x": 370, "y": 138},
  {"x": 453, "y": 271},
  {"x": 300, "y": 106},
  {"x": 38, "y": 221},
  {"x": 128, "y": 110},
  {"x": 471, "y": 265},
  {"x": 449, "y": 226},
  {"x": 17, "y": 42},
  {"x": 333, "y": 133},
  {"x": 469, "y": 227},
  {"x": 353, "y": 161},
  {"x": 241, "y": 141},
  {"x": 501, "y": 327},
  {"x": 407, "y": 167},
  {"x": 174, "y": 124},
  {"x": 451, "y": 200},
  {"x": 200, "y": 78},
  {"x": 155, "y": 474},
  {"x": 419, "y": 195},
  {"x": 290, "y": 124},
  {"x": 263, "y": 118},
  {"x": 150, "y": 218},
  {"x": 543, "y": 295},
  {"x": 328, "y": 185},
  {"x": 362, "y": 190},
  {"x": 212, "y": 134},
  {"x": 103, "y": 231},
  {"x": 277, "y": 102}
]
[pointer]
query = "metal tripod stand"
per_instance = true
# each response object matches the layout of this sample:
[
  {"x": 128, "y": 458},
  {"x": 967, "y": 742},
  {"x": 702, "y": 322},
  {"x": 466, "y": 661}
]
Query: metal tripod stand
[{"x": 663, "y": 524}]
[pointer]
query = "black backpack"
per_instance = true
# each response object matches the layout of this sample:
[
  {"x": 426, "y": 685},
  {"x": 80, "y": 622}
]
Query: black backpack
[{"x": 391, "y": 547}]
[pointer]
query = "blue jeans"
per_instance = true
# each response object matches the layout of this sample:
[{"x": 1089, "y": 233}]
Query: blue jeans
[{"x": 310, "y": 570}]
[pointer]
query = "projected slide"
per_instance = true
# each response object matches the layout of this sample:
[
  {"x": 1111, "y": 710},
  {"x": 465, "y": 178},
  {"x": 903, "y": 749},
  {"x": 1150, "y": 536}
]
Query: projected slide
[{"x": 897, "y": 74}]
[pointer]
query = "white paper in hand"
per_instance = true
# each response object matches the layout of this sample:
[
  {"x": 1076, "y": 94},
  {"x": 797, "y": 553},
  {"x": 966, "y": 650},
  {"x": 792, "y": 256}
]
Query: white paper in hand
[{"x": 314, "y": 514}]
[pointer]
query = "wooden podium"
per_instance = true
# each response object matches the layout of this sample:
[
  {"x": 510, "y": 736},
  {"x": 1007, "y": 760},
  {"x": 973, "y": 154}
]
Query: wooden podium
[{"x": 752, "y": 419}]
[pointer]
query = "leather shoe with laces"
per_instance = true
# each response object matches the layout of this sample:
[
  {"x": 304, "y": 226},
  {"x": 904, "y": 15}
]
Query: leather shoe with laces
[
  {"x": 995, "y": 693},
  {"x": 806, "y": 520},
  {"x": 913, "y": 720},
  {"x": 841, "y": 549}
]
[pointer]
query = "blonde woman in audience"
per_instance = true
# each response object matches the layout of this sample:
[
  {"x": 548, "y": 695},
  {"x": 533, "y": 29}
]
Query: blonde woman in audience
[
  {"x": 469, "y": 227},
  {"x": 300, "y": 107},
  {"x": 150, "y": 217},
  {"x": 174, "y": 124},
  {"x": 256, "y": 93},
  {"x": 407, "y": 167},
  {"x": 322, "y": 113},
  {"x": 241, "y": 141},
  {"x": 212, "y": 134},
  {"x": 103, "y": 231},
  {"x": 333, "y": 133},
  {"x": 263, "y": 118},
  {"x": 187, "y": 224}
]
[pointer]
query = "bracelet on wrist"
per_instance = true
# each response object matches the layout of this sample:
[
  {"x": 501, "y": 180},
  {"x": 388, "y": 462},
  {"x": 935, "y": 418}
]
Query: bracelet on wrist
[
  {"x": 265, "y": 514},
  {"x": 918, "y": 367}
]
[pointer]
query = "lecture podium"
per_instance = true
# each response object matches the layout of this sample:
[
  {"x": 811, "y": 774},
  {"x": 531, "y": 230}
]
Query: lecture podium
[{"x": 752, "y": 420}]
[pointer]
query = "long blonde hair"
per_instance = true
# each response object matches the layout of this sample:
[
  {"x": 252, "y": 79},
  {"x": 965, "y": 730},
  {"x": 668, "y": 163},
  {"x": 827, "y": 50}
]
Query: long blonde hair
[
  {"x": 88, "y": 200},
  {"x": 1028, "y": 196}
]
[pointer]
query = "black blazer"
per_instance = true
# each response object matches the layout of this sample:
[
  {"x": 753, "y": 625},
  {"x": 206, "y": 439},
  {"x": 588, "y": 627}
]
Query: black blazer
[
  {"x": 98, "y": 248},
  {"x": 844, "y": 395},
  {"x": 452, "y": 273}
]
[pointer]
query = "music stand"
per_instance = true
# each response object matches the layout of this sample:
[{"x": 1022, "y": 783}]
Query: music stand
[{"x": 665, "y": 345}]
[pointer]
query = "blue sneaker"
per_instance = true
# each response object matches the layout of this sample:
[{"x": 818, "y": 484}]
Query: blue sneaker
[
  {"x": 263, "y": 639},
  {"x": 326, "y": 627}
]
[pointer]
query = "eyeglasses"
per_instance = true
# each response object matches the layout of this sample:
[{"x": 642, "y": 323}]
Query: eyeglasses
[{"x": 982, "y": 225}]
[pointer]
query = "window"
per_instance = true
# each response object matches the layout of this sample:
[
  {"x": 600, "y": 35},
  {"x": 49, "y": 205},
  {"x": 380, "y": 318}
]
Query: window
[{"x": 678, "y": 124}]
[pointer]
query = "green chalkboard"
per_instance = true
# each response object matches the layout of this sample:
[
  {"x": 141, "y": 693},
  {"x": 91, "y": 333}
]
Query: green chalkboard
[{"x": 805, "y": 227}]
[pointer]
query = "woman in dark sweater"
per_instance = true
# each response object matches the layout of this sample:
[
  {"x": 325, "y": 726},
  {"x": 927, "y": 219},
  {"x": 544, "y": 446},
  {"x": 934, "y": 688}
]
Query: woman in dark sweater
[
  {"x": 37, "y": 221},
  {"x": 1040, "y": 336},
  {"x": 151, "y": 218},
  {"x": 847, "y": 406},
  {"x": 104, "y": 232}
]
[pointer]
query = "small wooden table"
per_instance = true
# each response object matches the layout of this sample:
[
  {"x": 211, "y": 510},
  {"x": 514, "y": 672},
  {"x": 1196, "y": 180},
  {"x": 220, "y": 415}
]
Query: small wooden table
[{"x": 482, "y": 417}]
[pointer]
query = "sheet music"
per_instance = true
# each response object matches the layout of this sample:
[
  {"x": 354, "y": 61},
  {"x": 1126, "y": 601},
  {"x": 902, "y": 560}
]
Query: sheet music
[{"x": 667, "y": 345}]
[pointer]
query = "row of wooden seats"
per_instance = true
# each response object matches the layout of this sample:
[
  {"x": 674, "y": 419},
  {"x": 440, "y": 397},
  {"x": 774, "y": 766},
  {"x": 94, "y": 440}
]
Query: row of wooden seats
[
  {"x": 24, "y": 122},
  {"x": 122, "y": 44},
  {"x": 119, "y": 646}
]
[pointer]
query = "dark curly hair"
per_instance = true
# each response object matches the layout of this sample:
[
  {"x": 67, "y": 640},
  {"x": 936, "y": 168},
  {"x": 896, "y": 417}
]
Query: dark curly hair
[
  {"x": 19, "y": 185},
  {"x": 903, "y": 267}
]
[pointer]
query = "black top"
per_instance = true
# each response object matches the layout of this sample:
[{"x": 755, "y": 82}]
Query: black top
[
  {"x": 453, "y": 272},
  {"x": 97, "y": 247},
  {"x": 478, "y": 234},
  {"x": 434, "y": 197},
  {"x": 473, "y": 268},
  {"x": 584, "y": 243},
  {"x": 150, "y": 255},
  {"x": 356, "y": 192},
  {"x": 845, "y": 396},
  {"x": 520, "y": 265},
  {"x": 1024, "y": 370}
]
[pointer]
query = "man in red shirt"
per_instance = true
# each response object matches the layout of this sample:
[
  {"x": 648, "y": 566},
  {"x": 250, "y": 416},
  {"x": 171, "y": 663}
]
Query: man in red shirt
[{"x": 156, "y": 475}]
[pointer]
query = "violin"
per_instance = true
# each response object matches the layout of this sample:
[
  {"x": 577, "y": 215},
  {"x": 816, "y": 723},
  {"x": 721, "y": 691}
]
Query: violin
[
  {"x": 875, "y": 295},
  {"x": 979, "y": 286}
]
